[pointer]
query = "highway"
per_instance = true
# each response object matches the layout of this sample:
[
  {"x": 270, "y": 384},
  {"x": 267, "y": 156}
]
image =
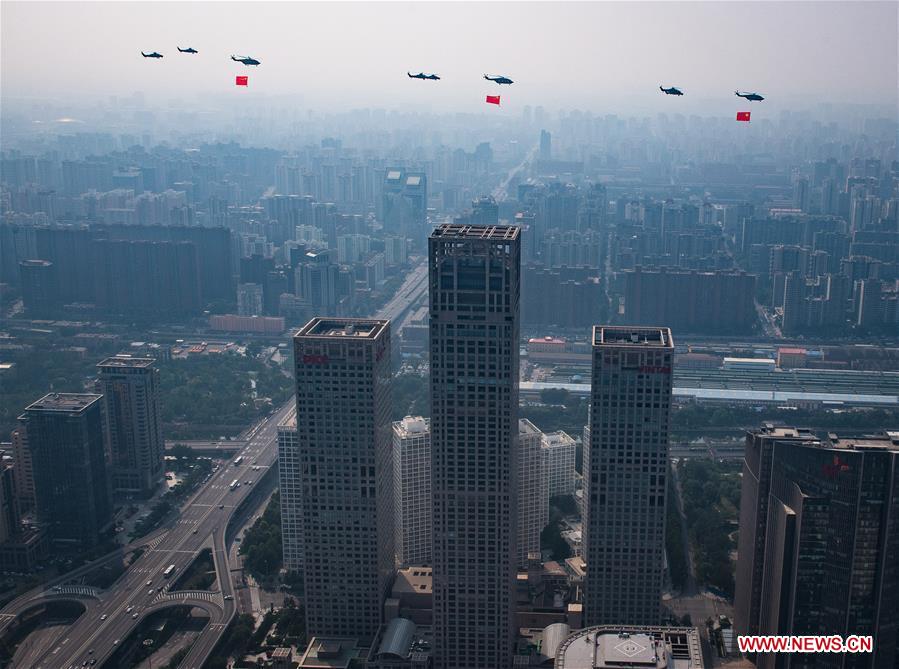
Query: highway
[{"x": 112, "y": 615}]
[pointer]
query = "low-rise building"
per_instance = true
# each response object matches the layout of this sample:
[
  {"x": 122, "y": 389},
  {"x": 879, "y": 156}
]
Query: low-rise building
[{"x": 617, "y": 646}]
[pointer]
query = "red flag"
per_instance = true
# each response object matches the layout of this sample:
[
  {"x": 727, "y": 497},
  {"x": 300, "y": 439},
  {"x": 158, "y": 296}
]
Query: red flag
[
  {"x": 743, "y": 116},
  {"x": 242, "y": 81},
  {"x": 493, "y": 99}
]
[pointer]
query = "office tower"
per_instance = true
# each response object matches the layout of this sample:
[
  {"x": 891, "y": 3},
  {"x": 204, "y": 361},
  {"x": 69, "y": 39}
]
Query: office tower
[
  {"x": 249, "y": 299},
  {"x": 9, "y": 503},
  {"x": 291, "y": 486},
  {"x": 558, "y": 451},
  {"x": 343, "y": 431},
  {"x": 23, "y": 472},
  {"x": 404, "y": 204},
  {"x": 130, "y": 389},
  {"x": 65, "y": 438},
  {"x": 533, "y": 491},
  {"x": 474, "y": 329},
  {"x": 412, "y": 490},
  {"x": 625, "y": 464},
  {"x": 40, "y": 289},
  {"x": 755, "y": 488},
  {"x": 830, "y": 536},
  {"x": 316, "y": 281},
  {"x": 546, "y": 145}
]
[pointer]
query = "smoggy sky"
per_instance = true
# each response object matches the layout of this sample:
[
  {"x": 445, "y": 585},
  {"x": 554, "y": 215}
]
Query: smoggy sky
[{"x": 587, "y": 55}]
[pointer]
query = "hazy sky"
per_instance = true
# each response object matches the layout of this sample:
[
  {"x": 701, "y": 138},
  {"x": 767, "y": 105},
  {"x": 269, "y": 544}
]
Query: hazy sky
[{"x": 587, "y": 55}]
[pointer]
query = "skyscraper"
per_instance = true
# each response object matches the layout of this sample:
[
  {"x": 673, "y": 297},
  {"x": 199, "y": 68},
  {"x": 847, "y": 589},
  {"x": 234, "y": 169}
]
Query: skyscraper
[
  {"x": 625, "y": 462},
  {"x": 755, "y": 487},
  {"x": 559, "y": 451},
  {"x": 533, "y": 491},
  {"x": 474, "y": 300},
  {"x": 343, "y": 435},
  {"x": 412, "y": 490},
  {"x": 830, "y": 531},
  {"x": 290, "y": 484},
  {"x": 130, "y": 389},
  {"x": 65, "y": 437}
]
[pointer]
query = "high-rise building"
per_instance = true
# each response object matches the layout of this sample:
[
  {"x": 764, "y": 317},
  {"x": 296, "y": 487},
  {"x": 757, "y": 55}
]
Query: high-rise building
[
  {"x": 23, "y": 471},
  {"x": 827, "y": 537},
  {"x": 344, "y": 441},
  {"x": 558, "y": 451},
  {"x": 756, "y": 485},
  {"x": 404, "y": 204},
  {"x": 65, "y": 437},
  {"x": 474, "y": 330},
  {"x": 625, "y": 465},
  {"x": 546, "y": 145},
  {"x": 130, "y": 389},
  {"x": 533, "y": 491},
  {"x": 249, "y": 299},
  {"x": 9, "y": 503},
  {"x": 412, "y": 490},
  {"x": 290, "y": 484}
]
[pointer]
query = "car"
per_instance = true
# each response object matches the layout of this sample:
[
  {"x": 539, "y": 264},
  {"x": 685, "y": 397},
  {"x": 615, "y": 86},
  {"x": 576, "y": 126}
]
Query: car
[
  {"x": 194, "y": 532},
  {"x": 115, "y": 643},
  {"x": 104, "y": 617},
  {"x": 151, "y": 591},
  {"x": 90, "y": 652},
  {"x": 93, "y": 662},
  {"x": 134, "y": 616},
  {"x": 229, "y": 597},
  {"x": 221, "y": 506},
  {"x": 129, "y": 609},
  {"x": 150, "y": 582},
  {"x": 248, "y": 482}
]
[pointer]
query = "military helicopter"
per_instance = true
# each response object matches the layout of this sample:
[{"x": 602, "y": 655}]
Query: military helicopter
[
  {"x": 246, "y": 60},
  {"x": 752, "y": 97},
  {"x": 155, "y": 54},
  {"x": 500, "y": 79},
  {"x": 674, "y": 90},
  {"x": 189, "y": 49},
  {"x": 422, "y": 75}
]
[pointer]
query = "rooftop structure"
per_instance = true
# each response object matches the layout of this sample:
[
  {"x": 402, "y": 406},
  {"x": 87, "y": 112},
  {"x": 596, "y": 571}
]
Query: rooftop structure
[
  {"x": 330, "y": 653},
  {"x": 464, "y": 231},
  {"x": 342, "y": 327},
  {"x": 616, "y": 646},
  {"x": 124, "y": 361},
  {"x": 612, "y": 335},
  {"x": 65, "y": 402}
]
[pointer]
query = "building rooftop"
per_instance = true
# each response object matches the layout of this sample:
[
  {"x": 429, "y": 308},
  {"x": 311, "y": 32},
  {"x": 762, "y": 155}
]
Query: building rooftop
[
  {"x": 617, "y": 646},
  {"x": 64, "y": 402},
  {"x": 330, "y": 653},
  {"x": 888, "y": 441},
  {"x": 466, "y": 231},
  {"x": 527, "y": 427},
  {"x": 411, "y": 425},
  {"x": 417, "y": 580},
  {"x": 614, "y": 335},
  {"x": 340, "y": 328},
  {"x": 121, "y": 361}
]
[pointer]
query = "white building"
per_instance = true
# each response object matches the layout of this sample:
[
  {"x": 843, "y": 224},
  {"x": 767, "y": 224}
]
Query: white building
[
  {"x": 291, "y": 492},
  {"x": 558, "y": 450},
  {"x": 533, "y": 491},
  {"x": 249, "y": 299},
  {"x": 412, "y": 490}
]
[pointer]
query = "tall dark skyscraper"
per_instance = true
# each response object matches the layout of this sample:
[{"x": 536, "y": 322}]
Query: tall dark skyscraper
[
  {"x": 474, "y": 298},
  {"x": 65, "y": 437},
  {"x": 344, "y": 447},
  {"x": 130, "y": 389},
  {"x": 625, "y": 466},
  {"x": 822, "y": 523},
  {"x": 756, "y": 486}
]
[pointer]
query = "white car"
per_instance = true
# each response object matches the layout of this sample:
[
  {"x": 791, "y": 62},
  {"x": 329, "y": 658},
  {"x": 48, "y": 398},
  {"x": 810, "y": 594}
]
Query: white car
[
  {"x": 104, "y": 617},
  {"x": 151, "y": 591},
  {"x": 129, "y": 609},
  {"x": 149, "y": 582}
]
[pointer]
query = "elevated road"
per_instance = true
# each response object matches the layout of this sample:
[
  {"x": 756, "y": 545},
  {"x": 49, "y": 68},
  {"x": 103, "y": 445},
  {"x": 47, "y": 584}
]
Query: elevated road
[{"x": 112, "y": 615}]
